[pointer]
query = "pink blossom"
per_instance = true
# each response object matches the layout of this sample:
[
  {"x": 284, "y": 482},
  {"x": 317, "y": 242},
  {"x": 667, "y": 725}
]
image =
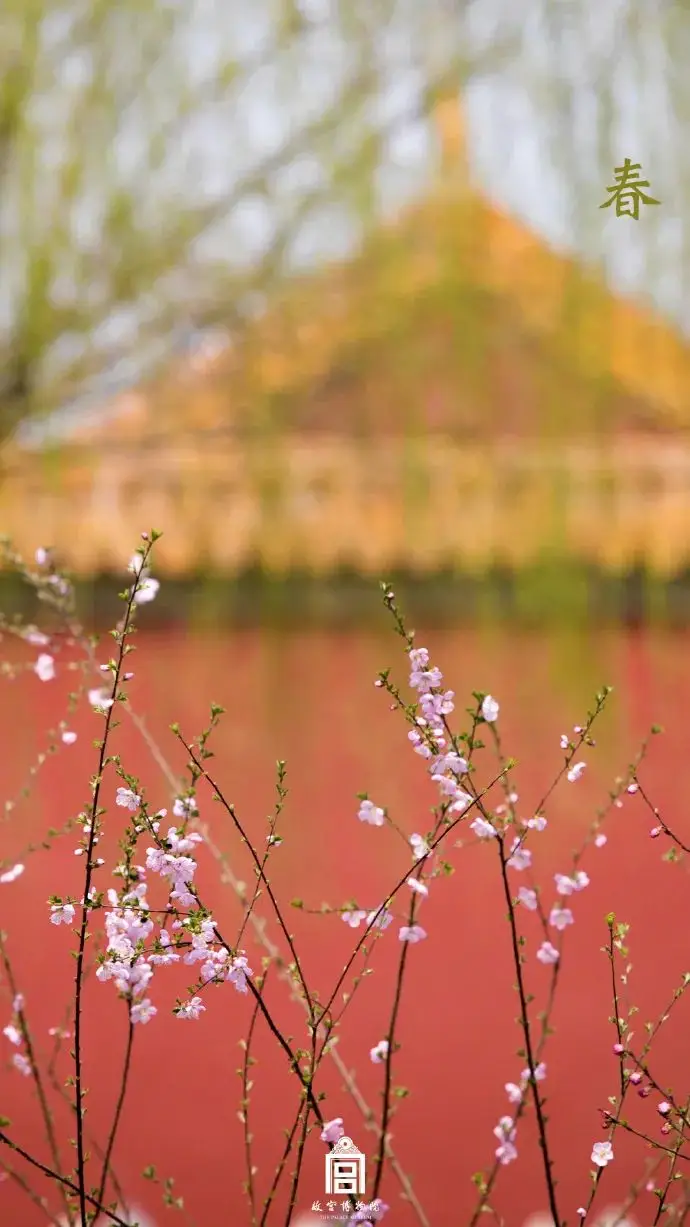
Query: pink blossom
[
  {"x": 183, "y": 807},
  {"x": 483, "y": 829},
  {"x": 21, "y": 1063},
  {"x": 45, "y": 667},
  {"x": 528, "y": 898},
  {"x": 600, "y": 840},
  {"x": 537, "y": 823},
  {"x": 567, "y": 885},
  {"x": 520, "y": 858},
  {"x": 490, "y": 708},
  {"x": 547, "y": 954},
  {"x": 354, "y": 919},
  {"x": 99, "y": 698},
  {"x": 560, "y": 918},
  {"x": 412, "y": 933},
  {"x": 13, "y": 1033},
  {"x": 191, "y": 1009},
  {"x": 539, "y": 1073},
  {"x": 127, "y": 799},
  {"x": 602, "y": 1153},
  {"x": 37, "y": 639},
  {"x": 11, "y": 875},
  {"x": 62, "y": 913},
  {"x": 505, "y": 1132},
  {"x": 514, "y": 1092},
  {"x": 333, "y": 1130},
  {"x": 146, "y": 591},
  {"x": 379, "y": 1053},
  {"x": 420, "y": 847},
  {"x": 576, "y": 771},
  {"x": 238, "y": 973},
  {"x": 373, "y": 814},
  {"x": 419, "y": 888},
  {"x": 380, "y": 919},
  {"x": 142, "y": 1011},
  {"x": 68, "y": 737}
]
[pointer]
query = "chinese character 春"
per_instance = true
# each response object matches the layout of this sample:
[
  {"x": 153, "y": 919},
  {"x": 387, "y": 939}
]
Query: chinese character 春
[{"x": 627, "y": 191}]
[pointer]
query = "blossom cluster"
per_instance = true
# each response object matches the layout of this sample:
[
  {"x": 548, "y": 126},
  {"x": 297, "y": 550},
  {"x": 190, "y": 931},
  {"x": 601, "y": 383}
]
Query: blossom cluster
[{"x": 191, "y": 938}]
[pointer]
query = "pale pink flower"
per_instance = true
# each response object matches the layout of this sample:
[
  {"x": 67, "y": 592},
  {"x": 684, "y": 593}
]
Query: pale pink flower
[
  {"x": 419, "y": 658},
  {"x": 142, "y": 1011},
  {"x": 68, "y": 737},
  {"x": 664, "y": 1108},
  {"x": 451, "y": 761},
  {"x": 419, "y": 846},
  {"x": 37, "y": 639},
  {"x": 513, "y": 1091},
  {"x": 505, "y": 1132},
  {"x": 539, "y": 1073},
  {"x": 490, "y": 709},
  {"x": 373, "y": 814},
  {"x": 560, "y": 918},
  {"x": 602, "y": 1153},
  {"x": 135, "y": 563},
  {"x": 412, "y": 933},
  {"x": 183, "y": 807},
  {"x": 419, "y": 888},
  {"x": 146, "y": 591},
  {"x": 354, "y": 919},
  {"x": 99, "y": 697},
  {"x": 528, "y": 898},
  {"x": 536, "y": 824},
  {"x": 21, "y": 1063},
  {"x": 575, "y": 772},
  {"x": 238, "y": 973},
  {"x": 547, "y": 954},
  {"x": 11, "y": 875},
  {"x": 506, "y": 1153},
  {"x": 45, "y": 667},
  {"x": 379, "y": 1053},
  {"x": 380, "y": 920},
  {"x": 520, "y": 858},
  {"x": 600, "y": 840},
  {"x": 483, "y": 829},
  {"x": 333, "y": 1130},
  {"x": 13, "y": 1034},
  {"x": 564, "y": 741},
  {"x": 567, "y": 885},
  {"x": 62, "y": 913},
  {"x": 127, "y": 799},
  {"x": 191, "y": 1009}
]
